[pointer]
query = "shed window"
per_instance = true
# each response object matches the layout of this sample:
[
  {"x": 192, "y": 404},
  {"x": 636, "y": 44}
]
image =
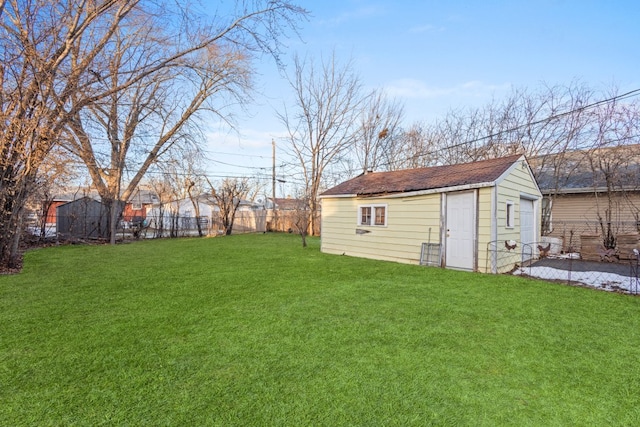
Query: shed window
[
  {"x": 380, "y": 215},
  {"x": 365, "y": 215},
  {"x": 510, "y": 210},
  {"x": 372, "y": 215}
]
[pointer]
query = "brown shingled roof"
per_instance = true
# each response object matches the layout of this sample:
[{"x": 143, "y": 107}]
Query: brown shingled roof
[
  {"x": 288, "y": 203},
  {"x": 403, "y": 181}
]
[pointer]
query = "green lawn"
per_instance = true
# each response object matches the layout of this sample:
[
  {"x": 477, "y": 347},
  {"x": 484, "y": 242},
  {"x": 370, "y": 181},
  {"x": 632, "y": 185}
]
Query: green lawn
[{"x": 254, "y": 330}]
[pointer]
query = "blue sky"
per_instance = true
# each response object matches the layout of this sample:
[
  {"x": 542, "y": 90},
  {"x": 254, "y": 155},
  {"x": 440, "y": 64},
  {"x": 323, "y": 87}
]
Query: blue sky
[{"x": 440, "y": 55}]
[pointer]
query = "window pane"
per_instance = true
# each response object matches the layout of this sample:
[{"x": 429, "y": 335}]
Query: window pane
[
  {"x": 509, "y": 214},
  {"x": 365, "y": 215},
  {"x": 380, "y": 214}
]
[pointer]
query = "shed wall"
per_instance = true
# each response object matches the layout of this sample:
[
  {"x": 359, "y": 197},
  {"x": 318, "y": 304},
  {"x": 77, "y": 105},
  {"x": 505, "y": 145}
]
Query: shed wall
[
  {"x": 518, "y": 183},
  {"x": 485, "y": 227},
  {"x": 408, "y": 224}
]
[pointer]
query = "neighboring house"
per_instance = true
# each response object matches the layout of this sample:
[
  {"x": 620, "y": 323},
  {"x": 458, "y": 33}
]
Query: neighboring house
[
  {"x": 578, "y": 196},
  {"x": 135, "y": 207},
  {"x": 61, "y": 199},
  {"x": 51, "y": 217},
  {"x": 178, "y": 217},
  {"x": 466, "y": 212},
  {"x": 287, "y": 204},
  {"x": 42, "y": 214},
  {"x": 138, "y": 204}
]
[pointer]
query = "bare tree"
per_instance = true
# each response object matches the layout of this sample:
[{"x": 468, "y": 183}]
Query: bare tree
[
  {"x": 323, "y": 123},
  {"x": 195, "y": 183},
  {"x": 552, "y": 139},
  {"x": 161, "y": 185},
  {"x": 191, "y": 177},
  {"x": 411, "y": 148},
  {"x": 549, "y": 120},
  {"x": 613, "y": 159},
  {"x": 40, "y": 72},
  {"x": 178, "y": 179},
  {"x": 379, "y": 128},
  {"x": 56, "y": 62},
  {"x": 146, "y": 109},
  {"x": 54, "y": 177},
  {"x": 228, "y": 197},
  {"x": 300, "y": 217}
]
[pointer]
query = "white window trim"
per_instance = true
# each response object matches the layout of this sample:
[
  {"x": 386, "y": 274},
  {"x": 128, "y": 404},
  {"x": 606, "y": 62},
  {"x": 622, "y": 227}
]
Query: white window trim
[
  {"x": 510, "y": 206},
  {"x": 373, "y": 214}
]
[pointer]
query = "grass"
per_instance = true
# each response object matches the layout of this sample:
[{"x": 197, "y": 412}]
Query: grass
[{"x": 254, "y": 330}]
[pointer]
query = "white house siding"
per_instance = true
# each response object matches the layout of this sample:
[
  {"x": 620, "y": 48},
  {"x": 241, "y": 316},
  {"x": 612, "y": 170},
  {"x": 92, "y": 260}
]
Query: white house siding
[{"x": 408, "y": 223}]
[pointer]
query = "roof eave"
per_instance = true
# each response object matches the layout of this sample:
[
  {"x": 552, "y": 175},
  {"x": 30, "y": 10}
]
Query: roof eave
[
  {"x": 585, "y": 190},
  {"x": 336, "y": 196},
  {"x": 414, "y": 193}
]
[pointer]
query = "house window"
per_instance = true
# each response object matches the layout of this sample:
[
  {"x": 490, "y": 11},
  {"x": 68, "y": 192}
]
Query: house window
[
  {"x": 510, "y": 210},
  {"x": 373, "y": 215},
  {"x": 136, "y": 206}
]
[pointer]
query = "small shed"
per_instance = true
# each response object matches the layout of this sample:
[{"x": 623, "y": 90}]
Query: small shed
[
  {"x": 481, "y": 216},
  {"x": 84, "y": 218}
]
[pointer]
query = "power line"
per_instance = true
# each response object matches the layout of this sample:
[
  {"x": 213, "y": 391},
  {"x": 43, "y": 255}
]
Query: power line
[
  {"x": 626, "y": 95},
  {"x": 240, "y": 166},
  {"x": 236, "y": 154}
]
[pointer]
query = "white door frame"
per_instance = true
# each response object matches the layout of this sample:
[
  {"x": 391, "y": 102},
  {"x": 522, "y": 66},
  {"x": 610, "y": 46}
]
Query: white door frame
[
  {"x": 460, "y": 249},
  {"x": 533, "y": 233}
]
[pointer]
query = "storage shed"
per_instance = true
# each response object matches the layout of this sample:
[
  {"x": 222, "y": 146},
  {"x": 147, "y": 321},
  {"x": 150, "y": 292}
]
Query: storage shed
[
  {"x": 84, "y": 218},
  {"x": 481, "y": 216}
]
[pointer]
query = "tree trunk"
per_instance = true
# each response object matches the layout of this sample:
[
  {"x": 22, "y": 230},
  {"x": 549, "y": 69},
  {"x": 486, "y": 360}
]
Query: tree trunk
[{"x": 13, "y": 196}]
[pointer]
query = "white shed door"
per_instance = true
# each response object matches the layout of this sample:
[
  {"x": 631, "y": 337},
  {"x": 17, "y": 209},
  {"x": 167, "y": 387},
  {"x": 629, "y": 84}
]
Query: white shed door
[
  {"x": 460, "y": 231},
  {"x": 527, "y": 228}
]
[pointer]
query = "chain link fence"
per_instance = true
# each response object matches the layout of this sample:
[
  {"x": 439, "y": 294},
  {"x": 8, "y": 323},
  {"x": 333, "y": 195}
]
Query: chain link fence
[
  {"x": 89, "y": 227},
  {"x": 612, "y": 269}
]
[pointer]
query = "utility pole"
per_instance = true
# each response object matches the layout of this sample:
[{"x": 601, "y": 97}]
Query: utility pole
[
  {"x": 273, "y": 177},
  {"x": 274, "y": 216}
]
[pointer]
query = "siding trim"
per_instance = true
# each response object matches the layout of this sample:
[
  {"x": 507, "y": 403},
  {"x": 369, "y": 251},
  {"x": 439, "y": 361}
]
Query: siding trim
[
  {"x": 528, "y": 196},
  {"x": 338, "y": 196},
  {"x": 494, "y": 228}
]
